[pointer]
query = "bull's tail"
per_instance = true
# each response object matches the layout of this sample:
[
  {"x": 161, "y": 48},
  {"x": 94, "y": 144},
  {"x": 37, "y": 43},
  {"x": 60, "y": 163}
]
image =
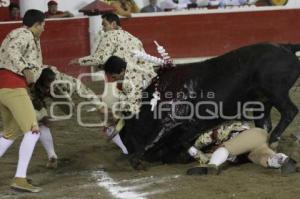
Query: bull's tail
[{"x": 291, "y": 47}]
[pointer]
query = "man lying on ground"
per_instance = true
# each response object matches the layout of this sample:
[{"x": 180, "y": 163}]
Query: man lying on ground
[{"x": 229, "y": 141}]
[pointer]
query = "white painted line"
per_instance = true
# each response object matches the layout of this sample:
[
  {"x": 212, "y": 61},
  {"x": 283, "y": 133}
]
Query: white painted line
[
  {"x": 106, "y": 182},
  {"x": 133, "y": 188}
]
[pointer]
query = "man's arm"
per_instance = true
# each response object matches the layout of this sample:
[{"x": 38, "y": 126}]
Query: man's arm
[
  {"x": 77, "y": 87},
  {"x": 103, "y": 51}
]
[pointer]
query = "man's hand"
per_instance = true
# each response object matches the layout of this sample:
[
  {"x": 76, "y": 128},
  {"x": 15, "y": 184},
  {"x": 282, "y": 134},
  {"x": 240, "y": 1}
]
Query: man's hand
[
  {"x": 74, "y": 62},
  {"x": 29, "y": 76},
  {"x": 35, "y": 129}
]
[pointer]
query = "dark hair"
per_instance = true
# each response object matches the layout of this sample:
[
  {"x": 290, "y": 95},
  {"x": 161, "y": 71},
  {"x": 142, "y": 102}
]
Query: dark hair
[
  {"x": 33, "y": 16},
  {"x": 12, "y": 6},
  {"x": 44, "y": 81},
  {"x": 114, "y": 65},
  {"x": 47, "y": 75},
  {"x": 51, "y": 3},
  {"x": 111, "y": 17}
]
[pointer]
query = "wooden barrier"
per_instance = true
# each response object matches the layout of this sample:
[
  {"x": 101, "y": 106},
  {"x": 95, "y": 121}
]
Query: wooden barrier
[
  {"x": 62, "y": 41},
  {"x": 194, "y": 35},
  {"x": 202, "y": 35}
]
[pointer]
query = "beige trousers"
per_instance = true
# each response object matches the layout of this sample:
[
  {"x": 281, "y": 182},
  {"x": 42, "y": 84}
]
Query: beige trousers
[
  {"x": 252, "y": 141},
  {"x": 17, "y": 112}
]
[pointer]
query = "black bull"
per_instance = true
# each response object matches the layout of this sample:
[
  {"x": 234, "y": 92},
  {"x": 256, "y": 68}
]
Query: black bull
[{"x": 257, "y": 73}]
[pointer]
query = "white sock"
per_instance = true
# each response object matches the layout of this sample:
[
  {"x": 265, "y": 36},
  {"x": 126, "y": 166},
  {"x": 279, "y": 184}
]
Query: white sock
[
  {"x": 4, "y": 145},
  {"x": 47, "y": 141},
  {"x": 116, "y": 139},
  {"x": 219, "y": 156},
  {"x": 276, "y": 160},
  {"x": 193, "y": 151},
  {"x": 25, "y": 153}
]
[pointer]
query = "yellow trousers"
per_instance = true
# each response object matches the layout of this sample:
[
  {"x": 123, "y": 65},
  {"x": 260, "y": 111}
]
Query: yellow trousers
[
  {"x": 17, "y": 112},
  {"x": 252, "y": 141}
]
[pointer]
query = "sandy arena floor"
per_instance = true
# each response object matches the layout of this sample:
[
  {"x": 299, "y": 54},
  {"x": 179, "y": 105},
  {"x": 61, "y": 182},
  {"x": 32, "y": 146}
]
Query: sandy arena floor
[{"x": 90, "y": 167}]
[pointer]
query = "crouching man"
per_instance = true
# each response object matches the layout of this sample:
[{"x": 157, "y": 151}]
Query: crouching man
[{"x": 42, "y": 91}]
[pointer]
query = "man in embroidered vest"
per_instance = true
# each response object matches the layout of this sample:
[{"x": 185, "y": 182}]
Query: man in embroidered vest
[
  {"x": 118, "y": 42},
  {"x": 20, "y": 65}
]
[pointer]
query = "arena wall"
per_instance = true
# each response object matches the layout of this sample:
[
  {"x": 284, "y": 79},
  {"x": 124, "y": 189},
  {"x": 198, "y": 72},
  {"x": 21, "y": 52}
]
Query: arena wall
[{"x": 183, "y": 34}]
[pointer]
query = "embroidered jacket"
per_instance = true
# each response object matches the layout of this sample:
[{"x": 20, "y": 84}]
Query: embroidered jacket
[
  {"x": 138, "y": 73},
  {"x": 20, "y": 50}
]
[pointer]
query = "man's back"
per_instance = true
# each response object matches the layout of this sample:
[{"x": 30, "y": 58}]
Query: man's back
[{"x": 124, "y": 43}]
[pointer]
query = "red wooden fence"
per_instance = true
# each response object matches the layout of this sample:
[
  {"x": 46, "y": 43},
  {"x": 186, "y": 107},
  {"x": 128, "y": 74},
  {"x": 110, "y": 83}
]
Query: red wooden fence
[{"x": 197, "y": 35}]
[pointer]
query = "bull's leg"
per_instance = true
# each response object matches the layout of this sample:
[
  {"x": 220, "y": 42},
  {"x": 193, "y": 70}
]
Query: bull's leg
[
  {"x": 135, "y": 159},
  {"x": 288, "y": 111},
  {"x": 265, "y": 122},
  {"x": 135, "y": 149}
]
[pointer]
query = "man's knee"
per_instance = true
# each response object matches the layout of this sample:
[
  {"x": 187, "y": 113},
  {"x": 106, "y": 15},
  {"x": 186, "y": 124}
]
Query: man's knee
[
  {"x": 246, "y": 141},
  {"x": 29, "y": 125},
  {"x": 261, "y": 135}
]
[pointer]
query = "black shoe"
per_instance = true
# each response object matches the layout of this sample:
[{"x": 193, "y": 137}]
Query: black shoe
[
  {"x": 204, "y": 170},
  {"x": 289, "y": 166}
]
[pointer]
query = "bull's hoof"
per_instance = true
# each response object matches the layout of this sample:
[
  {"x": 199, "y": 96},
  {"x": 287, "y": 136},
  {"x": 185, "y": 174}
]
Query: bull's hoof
[
  {"x": 204, "y": 170},
  {"x": 289, "y": 166},
  {"x": 137, "y": 164}
]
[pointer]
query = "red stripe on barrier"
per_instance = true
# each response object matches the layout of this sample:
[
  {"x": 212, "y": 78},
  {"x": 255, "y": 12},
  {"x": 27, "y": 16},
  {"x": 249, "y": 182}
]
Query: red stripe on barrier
[{"x": 198, "y": 35}]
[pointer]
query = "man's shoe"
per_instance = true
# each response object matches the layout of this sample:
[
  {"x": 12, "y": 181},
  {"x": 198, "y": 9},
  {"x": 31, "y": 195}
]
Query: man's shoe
[
  {"x": 21, "y": 184},
  {"x": 52, "y": 163},
  {"x": 208, "y": 169},
  {"x": 289, "y": 166}
]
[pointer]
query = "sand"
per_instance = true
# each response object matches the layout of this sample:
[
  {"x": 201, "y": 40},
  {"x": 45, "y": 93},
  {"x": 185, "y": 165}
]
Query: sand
[{"x": 91, "y": 167}]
